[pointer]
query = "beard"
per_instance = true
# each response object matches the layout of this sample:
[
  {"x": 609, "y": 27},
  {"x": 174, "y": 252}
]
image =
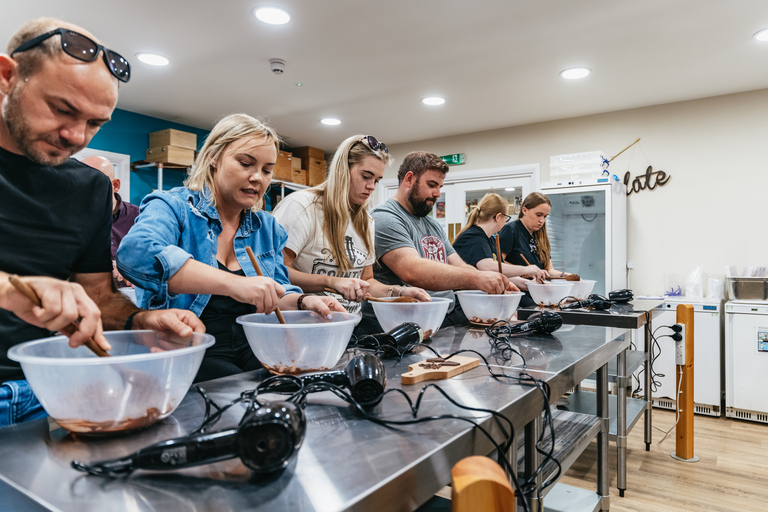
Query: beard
[
  {"x": 24, "y": 138},
  {"x": 419, "y": 204}
]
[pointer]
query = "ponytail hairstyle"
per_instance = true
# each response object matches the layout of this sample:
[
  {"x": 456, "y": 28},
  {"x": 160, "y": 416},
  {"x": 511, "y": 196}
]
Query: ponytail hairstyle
[
  {"x": 489, "y": 207},
  {"x": 531, "y": 201},
  {"x": 333, "y": 195}
]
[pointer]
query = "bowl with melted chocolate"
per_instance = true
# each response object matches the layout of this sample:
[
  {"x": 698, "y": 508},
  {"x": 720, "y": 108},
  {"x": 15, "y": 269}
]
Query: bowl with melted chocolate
[{"x": 142, "y": 382}]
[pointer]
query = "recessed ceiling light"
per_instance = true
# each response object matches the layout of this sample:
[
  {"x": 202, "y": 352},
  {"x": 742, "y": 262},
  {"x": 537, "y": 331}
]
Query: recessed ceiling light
[
  {"x": 510, "y": 189},
  {"x": 330, "y": 121},
  {"x": 152, "y": 59},
  {"x": 575, "y": 73},
  {"x": 272, "y": 15},
  {"x": 299, "y": 84},
  {"x": 762, "y": 35},
  {"x": 433, "y": 100}
]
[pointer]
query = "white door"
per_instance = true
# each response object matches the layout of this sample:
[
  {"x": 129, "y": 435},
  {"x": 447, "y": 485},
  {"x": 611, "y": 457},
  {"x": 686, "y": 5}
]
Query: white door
[
  {"x": 121, "y": 163},
  {"x": 466, "y": 196}
]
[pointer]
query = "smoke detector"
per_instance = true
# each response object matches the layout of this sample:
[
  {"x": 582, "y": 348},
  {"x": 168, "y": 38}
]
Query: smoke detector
[{"x": 277, "y": 66}]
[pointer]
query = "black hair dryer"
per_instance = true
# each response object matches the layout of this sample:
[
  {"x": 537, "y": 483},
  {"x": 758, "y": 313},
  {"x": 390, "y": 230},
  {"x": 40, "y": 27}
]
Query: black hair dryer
[
  {"x": 266, "y": 441},
  {"x": 545, "y": 322},
  {"x": 363, "y": 375},
  {"x": 394, "y": 343}
]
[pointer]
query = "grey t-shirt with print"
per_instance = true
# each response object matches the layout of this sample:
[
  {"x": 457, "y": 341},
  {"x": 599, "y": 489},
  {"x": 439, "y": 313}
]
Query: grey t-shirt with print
[{"x": 396, "y": 228}]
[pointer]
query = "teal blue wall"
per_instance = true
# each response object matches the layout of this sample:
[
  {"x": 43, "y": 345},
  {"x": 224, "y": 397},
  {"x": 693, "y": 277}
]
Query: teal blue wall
[{"x": 128, "y": 133}]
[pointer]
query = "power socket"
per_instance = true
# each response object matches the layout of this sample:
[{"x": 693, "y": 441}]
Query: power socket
[{"x": 680, "y": 347}]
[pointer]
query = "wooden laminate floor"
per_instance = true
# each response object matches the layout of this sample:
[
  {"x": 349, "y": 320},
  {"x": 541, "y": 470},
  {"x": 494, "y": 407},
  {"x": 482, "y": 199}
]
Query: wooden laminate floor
[{"x": 731, "y": 475}]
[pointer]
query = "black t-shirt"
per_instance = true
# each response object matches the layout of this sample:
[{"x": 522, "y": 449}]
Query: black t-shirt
[
  {"x": 515, "y": 240},
  {"x": 473, "y": 245},
  {"x": 53, "y": 221}
]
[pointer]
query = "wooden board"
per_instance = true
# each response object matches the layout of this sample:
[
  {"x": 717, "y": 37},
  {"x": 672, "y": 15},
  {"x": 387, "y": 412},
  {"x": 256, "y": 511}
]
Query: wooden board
[{"x": 417, "y": 373}]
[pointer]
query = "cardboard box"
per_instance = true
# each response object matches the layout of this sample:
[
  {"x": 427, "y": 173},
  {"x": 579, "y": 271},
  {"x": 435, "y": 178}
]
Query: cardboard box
[
  {"x": 299, "y": 176},
  {"x": 283, "y": 169},
  {"x": 171, "y": 137},
  {"x": 296, "y": 162},
  {"x": 308, "y": 152},
  {"x": 316, "y": 176},
  {"x": 171, "y": 155}
]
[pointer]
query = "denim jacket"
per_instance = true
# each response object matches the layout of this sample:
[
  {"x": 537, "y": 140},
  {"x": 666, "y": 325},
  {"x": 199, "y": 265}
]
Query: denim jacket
[{"x": 179, "y": 224}]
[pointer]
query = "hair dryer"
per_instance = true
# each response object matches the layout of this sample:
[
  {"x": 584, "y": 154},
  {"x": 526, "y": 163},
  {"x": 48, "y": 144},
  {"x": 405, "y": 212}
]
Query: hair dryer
[
  {"x": 266, "y": 440},
  {"x": 593, "y": 301},
  {"x": 545, "y": 322},
  {"x": 394, "y": 343},
  {"x": 363, "y": 375}
]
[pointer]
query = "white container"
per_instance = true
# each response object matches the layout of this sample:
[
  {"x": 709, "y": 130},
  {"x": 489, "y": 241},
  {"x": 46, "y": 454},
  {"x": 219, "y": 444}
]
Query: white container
[
  {"x": 587, "y": 165},
  {"x": 549, "y": 294},
  {"x": 482, "y": 308},
  {"x": 142, "y": 382},
  {"x": 305, "y": 343},
  {"x": 428, "y": 315},
  {"x": 582, "y": 289}
]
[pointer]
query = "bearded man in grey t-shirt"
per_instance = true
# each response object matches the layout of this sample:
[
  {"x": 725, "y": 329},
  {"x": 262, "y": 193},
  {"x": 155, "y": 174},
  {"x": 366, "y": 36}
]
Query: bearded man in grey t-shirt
[{"x": 412, "y": 248}]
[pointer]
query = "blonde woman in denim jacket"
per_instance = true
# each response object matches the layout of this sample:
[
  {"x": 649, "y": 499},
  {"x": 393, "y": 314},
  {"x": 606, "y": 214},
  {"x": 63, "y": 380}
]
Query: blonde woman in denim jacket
[{"x": 187, "y": 247}]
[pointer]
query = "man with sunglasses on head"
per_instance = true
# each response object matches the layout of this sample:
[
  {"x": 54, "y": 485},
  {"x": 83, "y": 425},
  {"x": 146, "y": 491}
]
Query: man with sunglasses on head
[
  {"x": 411, "y": 247},
  {"x": 58, "y": 86}
]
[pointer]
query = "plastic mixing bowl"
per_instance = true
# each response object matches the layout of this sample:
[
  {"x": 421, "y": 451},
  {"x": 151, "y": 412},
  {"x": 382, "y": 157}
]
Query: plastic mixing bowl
[
  {"x": 429, "y": 315},
  {"x": 305, "y": 343},
  {"x": 485, "y": 309},
  {"x": 582, "y": 289},
  {"x": 549, "y": 294},
  {"x": 143, "y": 382}
]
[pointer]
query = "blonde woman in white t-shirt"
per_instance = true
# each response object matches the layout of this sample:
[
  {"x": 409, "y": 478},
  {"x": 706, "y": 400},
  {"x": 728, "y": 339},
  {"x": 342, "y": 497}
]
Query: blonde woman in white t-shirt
[{"x": 330, "y": 232}]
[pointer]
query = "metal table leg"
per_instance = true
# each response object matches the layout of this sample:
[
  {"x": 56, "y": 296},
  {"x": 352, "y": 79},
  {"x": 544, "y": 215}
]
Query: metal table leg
[
  {"x": 621, "y": 422},
  {"x": 647, "y": 387},
  {"x": 532, "y": 460},
  {"x": 603, "y": 478}
]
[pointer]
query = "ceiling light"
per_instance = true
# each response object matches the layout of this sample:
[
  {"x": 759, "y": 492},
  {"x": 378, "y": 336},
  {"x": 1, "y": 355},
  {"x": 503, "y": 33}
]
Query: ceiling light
[
  {"x": 433, "y": 100},
  {"x": 330, "y": 121},
  {"x": 272, "y": 15},
  {"x": 299, "y": 84},
  {"x": 510, "y": 189},
  {"x": 762, "y": 35},
  {"x": 575, "y": 73},
  {"x": 152, "y": 59}
]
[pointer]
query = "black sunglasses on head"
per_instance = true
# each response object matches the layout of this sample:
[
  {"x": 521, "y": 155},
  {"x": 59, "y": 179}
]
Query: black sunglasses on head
[
  {"x": 374, "y": 144},
  {"x": 82, "y": 48}
]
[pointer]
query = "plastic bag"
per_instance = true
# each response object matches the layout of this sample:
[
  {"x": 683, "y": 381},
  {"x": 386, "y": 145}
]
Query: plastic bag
[
  {"x": 715, "y": 289},
  {"x": 694, "y": 283}
]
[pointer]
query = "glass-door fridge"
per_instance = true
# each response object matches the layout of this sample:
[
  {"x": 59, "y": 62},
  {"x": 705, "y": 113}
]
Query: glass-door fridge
[{"x": 587, "y": 230}]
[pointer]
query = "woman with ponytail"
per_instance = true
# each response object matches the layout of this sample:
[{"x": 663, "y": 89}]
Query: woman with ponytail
[{"x": 330, "y": 232}]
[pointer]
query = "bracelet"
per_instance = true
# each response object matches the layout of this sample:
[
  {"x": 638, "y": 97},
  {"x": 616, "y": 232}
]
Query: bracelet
[
  {"x": 391, "y": 291},
  {"x": 300, "y": 301},
  {"x": 129, "y": 322}
]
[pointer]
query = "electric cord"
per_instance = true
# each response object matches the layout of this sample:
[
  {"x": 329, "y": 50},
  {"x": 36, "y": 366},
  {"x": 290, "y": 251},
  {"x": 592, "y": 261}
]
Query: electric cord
[{"x": 677, "y": 410}]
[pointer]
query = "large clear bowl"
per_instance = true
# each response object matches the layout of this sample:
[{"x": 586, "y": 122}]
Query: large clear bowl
[
  {"x": 429, "y": 315},
  {"x": 482, "y": 308}
]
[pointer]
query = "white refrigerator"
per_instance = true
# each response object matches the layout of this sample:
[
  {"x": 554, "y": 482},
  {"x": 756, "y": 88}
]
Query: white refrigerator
[
  {"x": 587, "y": 230},
  {"x": 746, "y": 360}
]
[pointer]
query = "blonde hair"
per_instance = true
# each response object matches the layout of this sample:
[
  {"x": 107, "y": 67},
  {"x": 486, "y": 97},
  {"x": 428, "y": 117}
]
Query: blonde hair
[
  {"x": 489, "y": 207},
  {"x": 229, "y": 129},
  {"x": 333, "y": 195},
  {"x": 531, "y": 201}
]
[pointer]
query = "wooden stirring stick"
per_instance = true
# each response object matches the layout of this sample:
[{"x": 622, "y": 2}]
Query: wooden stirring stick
[
  {"x": 498, "y": 252},
  {"x": 29, "y": 293},
  {"x": 258, "y": 271},
  {"x": 569, "y": 277}
]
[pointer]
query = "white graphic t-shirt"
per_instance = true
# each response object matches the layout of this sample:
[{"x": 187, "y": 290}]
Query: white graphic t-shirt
[{"x": 302, "y": 218}]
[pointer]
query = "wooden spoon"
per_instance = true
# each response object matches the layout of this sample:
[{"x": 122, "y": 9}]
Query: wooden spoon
[
  {"x": 29, "y": 292},
  {"x": 258, "y": 271},
  {"x": 569, "y": 277},
  {"x": 396, "y": 299}
]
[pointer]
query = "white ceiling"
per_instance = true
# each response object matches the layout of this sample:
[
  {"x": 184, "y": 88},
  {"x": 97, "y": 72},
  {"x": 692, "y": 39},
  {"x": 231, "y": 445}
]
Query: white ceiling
[{"x": 369, "y": 63}]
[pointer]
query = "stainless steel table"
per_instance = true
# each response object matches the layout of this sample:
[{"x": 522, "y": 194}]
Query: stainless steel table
[
  {"x": 633, "y": 315},
  {"x": 345, "y": 463}
]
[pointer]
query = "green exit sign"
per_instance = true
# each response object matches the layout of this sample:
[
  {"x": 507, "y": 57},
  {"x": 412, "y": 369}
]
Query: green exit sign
[{"x": 455, "y": 159}]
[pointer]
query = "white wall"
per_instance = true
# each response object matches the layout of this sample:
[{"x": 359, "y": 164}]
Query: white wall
[{"x": 713, "y": 211}]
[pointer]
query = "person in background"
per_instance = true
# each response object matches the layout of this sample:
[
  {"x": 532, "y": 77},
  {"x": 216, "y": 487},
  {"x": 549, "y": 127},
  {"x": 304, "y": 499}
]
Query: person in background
[
  {"x": 527, "y": 238},
  {"x": 187, "y": 248},
  {"x": 123, "y": 212},
  {"x": 476, "y": 245},
  {"x": 412, "y": 248},
  {"x": 330, "y": 232},
  {"x": 58, "y": 86}
]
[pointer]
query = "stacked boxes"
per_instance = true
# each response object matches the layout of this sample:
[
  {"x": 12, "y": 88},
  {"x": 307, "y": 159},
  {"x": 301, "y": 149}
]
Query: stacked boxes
[
  {"x": 283, "y": 168},
  {"x": 313, "y": 163},
  {"x": 172, "y": 147},
  {"x": 577, "y": 166}
]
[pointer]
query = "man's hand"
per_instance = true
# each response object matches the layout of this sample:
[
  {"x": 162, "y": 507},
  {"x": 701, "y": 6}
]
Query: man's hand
[
  {"x": 491, "y": 282},
  {"x": 63, "y": 303},
  {"x": 177, "y": 321}
]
